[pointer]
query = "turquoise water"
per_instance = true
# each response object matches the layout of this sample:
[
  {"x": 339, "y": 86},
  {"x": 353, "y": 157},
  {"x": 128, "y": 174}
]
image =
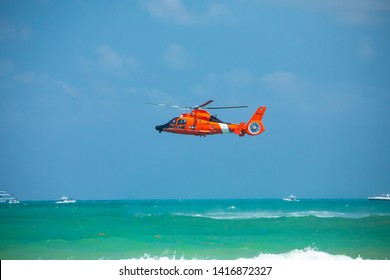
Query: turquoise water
[{"x": 196, "y": 229}]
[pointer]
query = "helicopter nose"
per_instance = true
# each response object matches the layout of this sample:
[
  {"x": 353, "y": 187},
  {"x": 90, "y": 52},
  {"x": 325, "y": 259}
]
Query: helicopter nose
[{"x": 159, "y": 128}]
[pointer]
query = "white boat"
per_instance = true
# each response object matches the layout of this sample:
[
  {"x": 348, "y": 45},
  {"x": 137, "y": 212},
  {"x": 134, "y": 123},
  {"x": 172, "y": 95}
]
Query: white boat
[
  {"x": 382, "y": 197},
  {"x": 290, "y": 198},
  {"x": 65, "y": 199},
  {"x": 13, "y": 201},
  {"x": 6, "y": 197}
]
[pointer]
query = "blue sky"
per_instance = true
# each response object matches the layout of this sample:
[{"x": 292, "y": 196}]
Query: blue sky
[{"x": 75, "y": 77}]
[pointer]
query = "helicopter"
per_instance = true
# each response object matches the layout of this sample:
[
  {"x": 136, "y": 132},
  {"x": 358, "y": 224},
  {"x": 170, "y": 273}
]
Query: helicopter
[{"x": 200, "y": 122}]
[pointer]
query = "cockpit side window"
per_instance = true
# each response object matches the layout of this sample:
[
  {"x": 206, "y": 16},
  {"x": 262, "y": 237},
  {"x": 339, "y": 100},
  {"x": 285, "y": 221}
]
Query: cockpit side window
[{"x": 215, "y": 119}]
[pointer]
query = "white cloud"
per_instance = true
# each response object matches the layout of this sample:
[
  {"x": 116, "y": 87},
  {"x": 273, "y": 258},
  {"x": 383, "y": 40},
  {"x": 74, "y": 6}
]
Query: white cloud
[
  {"x": 174, "y": 11},
  {"x": 108, "y": 60},
  {"x": 169, "y": 10},
  {"x": 313, "y": 100},
  {"x": 281, "y": 81},
  {"x": 65, "y": 87},
  {"x": 239, "y": 76},
  {"x": 150, "y": 93},
  {"x": 6, "y": 66},
  {"x": 354, "y": 12},
  {"x": 85, "y": 64},
  {"x": 232, "y": 86},
  {"x": 10, "y": 30},
  {"x": 30, "y": 78},
  {"x": 26, "y": 78},
  {"x": 154, "y": 95},
  {"x": 177, "y": 57},
  {"x": 366, "y": 50},
  {"x": 234, "y": 77}
]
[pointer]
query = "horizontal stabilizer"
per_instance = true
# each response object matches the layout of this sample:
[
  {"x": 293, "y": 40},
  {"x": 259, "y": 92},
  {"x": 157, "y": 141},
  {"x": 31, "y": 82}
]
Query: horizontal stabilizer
[{"x": 240, "y": 129}]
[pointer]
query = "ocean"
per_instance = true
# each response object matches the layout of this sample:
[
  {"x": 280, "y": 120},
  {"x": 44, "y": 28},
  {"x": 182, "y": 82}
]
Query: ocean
[{"x": 196, "y": 230}]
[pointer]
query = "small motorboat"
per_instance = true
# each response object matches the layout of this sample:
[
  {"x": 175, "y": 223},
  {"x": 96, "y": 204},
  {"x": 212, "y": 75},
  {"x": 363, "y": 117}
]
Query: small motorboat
[
  {"x": 290, "y": 198},
  {"x": 382, "y": 197},
  {"x": 65, "y": 199}
]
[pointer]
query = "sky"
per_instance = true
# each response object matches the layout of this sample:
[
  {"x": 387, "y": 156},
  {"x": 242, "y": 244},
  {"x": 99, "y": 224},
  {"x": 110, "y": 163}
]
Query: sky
[{"x": 76, "y": 77}]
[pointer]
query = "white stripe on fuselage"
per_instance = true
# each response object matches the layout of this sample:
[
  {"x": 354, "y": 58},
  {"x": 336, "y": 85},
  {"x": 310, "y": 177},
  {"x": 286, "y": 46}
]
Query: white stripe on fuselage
[{"x": 224, "y": 128}]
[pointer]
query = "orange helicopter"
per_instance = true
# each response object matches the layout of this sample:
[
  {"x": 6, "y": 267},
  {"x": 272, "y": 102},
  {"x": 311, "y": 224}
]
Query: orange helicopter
[{"x": 201, "y": 123}]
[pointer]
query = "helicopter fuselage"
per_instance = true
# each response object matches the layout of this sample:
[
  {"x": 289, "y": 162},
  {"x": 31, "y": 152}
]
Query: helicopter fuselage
[{"x": 201, "y": 123}]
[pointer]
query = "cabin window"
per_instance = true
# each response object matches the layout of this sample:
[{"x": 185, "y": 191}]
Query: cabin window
[{"x": 181, "y": 123}]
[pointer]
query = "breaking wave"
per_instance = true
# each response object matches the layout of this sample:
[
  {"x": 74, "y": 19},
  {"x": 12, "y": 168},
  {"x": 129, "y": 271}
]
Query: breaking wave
[
  {"x": 308, "y": 253},
  {"x": 274, "y": 215},
  {"x": 303, "y": 254}
]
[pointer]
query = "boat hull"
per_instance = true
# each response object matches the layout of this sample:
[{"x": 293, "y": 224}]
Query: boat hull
[{"x": 66, "y": 202}]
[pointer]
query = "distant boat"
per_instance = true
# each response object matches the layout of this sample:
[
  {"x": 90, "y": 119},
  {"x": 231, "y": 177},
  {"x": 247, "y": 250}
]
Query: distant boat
[
  {"x": 66, "y": 199},
  {"x": 6, "y": 197},
  {"x": 290, "y": 198},
  {"x": 382, "y": 197}
]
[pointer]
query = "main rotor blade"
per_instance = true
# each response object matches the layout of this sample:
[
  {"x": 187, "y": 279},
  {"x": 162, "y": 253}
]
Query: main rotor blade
[
  {"x": 172, "y": 106},
  {"x": 204, "y": 104},
  {"x": 197, "y": 107},
  {"x": 226, "y": 107}
]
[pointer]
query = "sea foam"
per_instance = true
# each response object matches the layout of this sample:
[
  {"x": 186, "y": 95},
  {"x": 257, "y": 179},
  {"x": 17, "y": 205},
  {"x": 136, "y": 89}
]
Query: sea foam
[
  {"x": 274, "y": 215},
  {"x": 308, "y": 253}
]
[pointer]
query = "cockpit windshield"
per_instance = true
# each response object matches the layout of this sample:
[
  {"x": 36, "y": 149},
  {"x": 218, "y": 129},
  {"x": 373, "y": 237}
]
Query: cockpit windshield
[{"x": 172, "y": 123}]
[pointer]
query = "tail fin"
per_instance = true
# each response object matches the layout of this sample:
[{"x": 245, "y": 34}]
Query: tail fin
[{"x": 255, "y": 126}]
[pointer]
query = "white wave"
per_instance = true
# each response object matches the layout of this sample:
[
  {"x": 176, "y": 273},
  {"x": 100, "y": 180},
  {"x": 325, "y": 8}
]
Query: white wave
[
  {"x": 272, "y": 215},
  {"x": 164, "y": 257},
  {"x": 305, "y": 254},
  {"x": 308, "y": 253}
]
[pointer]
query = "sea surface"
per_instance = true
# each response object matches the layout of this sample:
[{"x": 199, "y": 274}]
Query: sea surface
[{"x": 196, "y": 229}]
